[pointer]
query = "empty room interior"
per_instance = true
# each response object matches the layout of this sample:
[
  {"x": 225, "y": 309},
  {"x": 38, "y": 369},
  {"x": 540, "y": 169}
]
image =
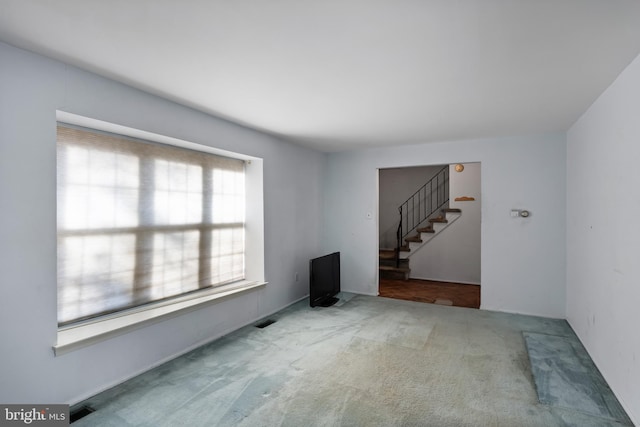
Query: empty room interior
[{"x": 169, "y": 170}]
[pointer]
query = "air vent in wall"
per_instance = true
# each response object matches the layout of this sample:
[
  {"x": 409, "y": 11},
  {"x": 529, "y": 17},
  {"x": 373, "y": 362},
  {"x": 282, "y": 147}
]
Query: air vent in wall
[{"x": 81, "y": 412}]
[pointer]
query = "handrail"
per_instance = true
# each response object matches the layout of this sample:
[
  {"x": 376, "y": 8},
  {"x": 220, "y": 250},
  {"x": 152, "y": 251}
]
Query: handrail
[{"x": 430, "y": 198}]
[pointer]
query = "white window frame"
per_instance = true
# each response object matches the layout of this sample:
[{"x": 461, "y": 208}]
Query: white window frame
[{"x": 85, "y": 333}]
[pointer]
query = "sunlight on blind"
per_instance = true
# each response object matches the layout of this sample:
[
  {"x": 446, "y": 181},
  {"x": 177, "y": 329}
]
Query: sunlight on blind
[
  {"x": 175, "y": 263},
  {"x": 140, "y": 222},
  {"x": 228, "y": 198},
  {"x": 99, "y": 274},
  {"x": 101, "y": 189},
  {"x": 178, "y": 193},
  {"x": 227, "y": 260}
]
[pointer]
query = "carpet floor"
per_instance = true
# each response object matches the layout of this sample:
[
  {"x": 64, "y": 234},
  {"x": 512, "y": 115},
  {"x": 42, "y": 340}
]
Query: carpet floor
[{"x": 367, "y": 361}]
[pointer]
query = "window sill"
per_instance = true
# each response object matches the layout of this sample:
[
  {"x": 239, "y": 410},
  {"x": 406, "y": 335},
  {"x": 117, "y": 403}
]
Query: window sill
[{"x": 77, "y": 336}]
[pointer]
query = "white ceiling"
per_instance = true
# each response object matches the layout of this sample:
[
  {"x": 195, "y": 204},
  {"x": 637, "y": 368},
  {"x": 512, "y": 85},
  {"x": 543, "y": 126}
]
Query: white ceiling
[{"x": 343, "y": 74}]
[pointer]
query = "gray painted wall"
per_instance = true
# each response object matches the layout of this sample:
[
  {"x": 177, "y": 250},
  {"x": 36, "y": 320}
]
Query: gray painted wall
[
  {"x": 603, "y": 234},
  {"x": 32, "y": 87},
  {"x": 454, "y": 254},
  {"x": 523, "y": 262}
]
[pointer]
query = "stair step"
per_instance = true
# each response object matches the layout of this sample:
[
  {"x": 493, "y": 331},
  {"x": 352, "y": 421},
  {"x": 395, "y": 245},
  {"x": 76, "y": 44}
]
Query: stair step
[
  {"x": 439, "y": 220},
  {"x": 402, "y": 262},
  {"x": 385, "y": 254},
  {"x": 428, "y": 229},
  {"x": 394, "y": 273},
  {"x": 391, "y": 268},
  {"x": 387, "y": 257}
]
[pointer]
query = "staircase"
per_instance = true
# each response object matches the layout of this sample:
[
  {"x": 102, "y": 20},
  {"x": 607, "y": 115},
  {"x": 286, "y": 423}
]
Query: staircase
[
  {"x": 388, "y": 269},
  {"x": 423, "y": 216},
  {"x": 394, "y": 264},
  {"x": 424, "y": 234}
]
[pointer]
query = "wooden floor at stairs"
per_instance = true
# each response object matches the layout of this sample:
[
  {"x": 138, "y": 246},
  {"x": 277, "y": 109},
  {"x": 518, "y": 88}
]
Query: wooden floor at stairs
[{"x": 460, "y": 295}]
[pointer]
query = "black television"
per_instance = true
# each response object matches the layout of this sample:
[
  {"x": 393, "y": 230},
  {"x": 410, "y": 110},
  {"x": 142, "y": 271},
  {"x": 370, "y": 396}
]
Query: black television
[{"x": 324, "y": 280}]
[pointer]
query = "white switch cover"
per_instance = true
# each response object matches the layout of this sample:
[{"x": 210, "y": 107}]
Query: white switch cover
[{"x": 515, "y": 213}]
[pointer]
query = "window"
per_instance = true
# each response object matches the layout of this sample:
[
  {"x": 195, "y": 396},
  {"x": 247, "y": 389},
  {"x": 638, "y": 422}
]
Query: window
[{"x": 140, "y": 222}]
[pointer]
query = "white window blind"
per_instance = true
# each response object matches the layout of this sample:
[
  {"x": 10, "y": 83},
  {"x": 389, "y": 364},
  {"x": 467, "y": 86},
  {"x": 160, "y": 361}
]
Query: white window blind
[{"x": 140, "y": 222}]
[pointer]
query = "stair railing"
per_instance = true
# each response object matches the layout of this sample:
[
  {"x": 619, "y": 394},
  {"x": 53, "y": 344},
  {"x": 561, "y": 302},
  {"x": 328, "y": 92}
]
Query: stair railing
[{"x": 430, "y": 198}]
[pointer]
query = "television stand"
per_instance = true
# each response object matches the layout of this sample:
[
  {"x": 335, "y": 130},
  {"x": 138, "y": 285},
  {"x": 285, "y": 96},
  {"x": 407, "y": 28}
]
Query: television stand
[{"x": 328, "y": 302}]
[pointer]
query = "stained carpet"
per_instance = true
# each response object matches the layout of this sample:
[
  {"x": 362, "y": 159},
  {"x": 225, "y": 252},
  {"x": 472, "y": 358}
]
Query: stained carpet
[
  {"x": 566, "y": 377},
  {"x": 368, "y": 361}
]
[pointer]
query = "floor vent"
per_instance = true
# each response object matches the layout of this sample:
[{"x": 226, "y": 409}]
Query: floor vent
[
  {"x": 266, "y": 323},
  {"x": 81, "y": 412}
]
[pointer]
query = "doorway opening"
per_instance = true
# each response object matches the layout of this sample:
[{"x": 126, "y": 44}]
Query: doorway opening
[{"x": 429, "y": 242}]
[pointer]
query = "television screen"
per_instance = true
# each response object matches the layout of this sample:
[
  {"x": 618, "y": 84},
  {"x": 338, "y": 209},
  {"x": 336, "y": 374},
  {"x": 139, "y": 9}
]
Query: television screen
[{"x": 324, "y": 282}]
